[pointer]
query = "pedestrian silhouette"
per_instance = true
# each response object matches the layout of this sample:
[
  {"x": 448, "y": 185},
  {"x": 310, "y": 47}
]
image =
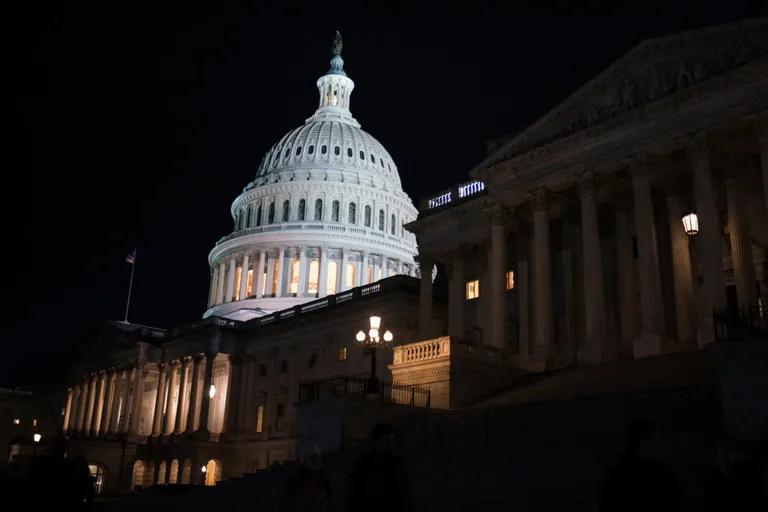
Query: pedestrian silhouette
[
  {"x": 378, "y": 481},
  {"x": 641, "y": 482},
  {"x": 309, "y": 490}
]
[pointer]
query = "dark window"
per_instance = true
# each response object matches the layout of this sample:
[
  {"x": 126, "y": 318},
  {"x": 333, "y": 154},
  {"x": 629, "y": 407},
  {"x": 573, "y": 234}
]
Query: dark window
[
  {"x": 381, "y": 220},
  {"x": 349, "y": 152},
  {"x": 367, "y": 216},
  {"x": 319, "y": 209},
  {"x": 258, "y": 216},
  {"x": 362, "y": 155},
  {"x": 381, "y": 161},
  {"x": 335, "y": 211},
  {"x": 286, "y": 210},
  {"x": 302, "y": 209},
  {"x": 312, "y": 359},
  {"x": 248, "y": 217},
  {"x": 262, "y": 370},
  {"x": 373, "y": 159},
  {"x": 298, "y": 150},
  {"x": 392, "y": 225},
  {"x": 324, "y": 149},
  {"x": 311, "y": 149},
  {"x": 271, "y": 215},
  {"x": 634, "y": 247},
  {"x": 285, "y": 154},
  {"x": 352, "y": 214},
  {"x": 283, "y": 366},
  {"x": 337, "y": 150},
  {"x": 280, "y": 417}
]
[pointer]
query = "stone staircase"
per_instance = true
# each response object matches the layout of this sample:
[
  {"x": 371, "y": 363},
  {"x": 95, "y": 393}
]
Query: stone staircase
[{"x": 544, "y": 444}]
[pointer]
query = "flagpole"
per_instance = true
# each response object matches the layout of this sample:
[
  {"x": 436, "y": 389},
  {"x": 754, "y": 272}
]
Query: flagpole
[{"x": 130, "y": 288}]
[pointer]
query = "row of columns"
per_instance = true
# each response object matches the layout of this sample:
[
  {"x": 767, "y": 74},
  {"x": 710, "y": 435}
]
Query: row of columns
[
  {"x": 112, "y": 401},
  {"x": 224, "y": 275},
  {"x": 643, "y": 329}
]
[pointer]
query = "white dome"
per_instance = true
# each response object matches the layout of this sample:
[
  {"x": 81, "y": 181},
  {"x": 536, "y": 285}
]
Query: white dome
[{"x": 324, "y": 214}]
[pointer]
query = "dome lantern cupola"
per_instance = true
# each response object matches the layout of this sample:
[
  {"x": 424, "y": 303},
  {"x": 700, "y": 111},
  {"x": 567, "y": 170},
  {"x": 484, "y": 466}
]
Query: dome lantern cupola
[{"x": 335, "y": 89}]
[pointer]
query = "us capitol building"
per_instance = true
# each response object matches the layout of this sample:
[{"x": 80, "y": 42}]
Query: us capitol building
[{"x": 610, "y": 231}]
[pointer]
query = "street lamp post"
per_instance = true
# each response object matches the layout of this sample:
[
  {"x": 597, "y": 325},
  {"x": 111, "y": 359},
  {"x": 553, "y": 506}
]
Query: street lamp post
[
  {"x": 36, "y": 438},
  {"x": 371, "y": 341}
]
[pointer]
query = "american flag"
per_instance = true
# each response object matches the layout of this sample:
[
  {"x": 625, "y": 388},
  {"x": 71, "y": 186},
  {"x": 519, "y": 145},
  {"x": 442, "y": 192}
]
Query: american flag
[{"x": 131, "y": 258}]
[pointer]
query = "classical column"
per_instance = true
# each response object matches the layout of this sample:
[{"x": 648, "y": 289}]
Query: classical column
[
  {"x": 244, "y": 395},
  {"x": 682, "y": 275},
  {"x": 708, "y": 241},
  {"x": 231, "y": 280},
  {"x": 75, "y": 413},
  {"x": 232, "y": 400},
  {"x": 322, "y": 285},
  {"x": 193, "y": 415},
  {"x": 214, "y": 286},
  {"x": 762, "y": 137},
  {"x": 498, "y": 269},
  {"x": 258, "y": 277},
  {"x": 109, "y": 397},
  {"x": 244, "y": 277},
  {"x": 205, "y": 401},
  {"x": 364, "y": 269},
  {"x": 92, "y": 389},
  {"x": 593, "y": 350},
  {"x": 280, "y": 271},
  {"x": 85, "y": 385},
  {"x": 67, "y": 411},
  {"x": 303, "y": 264},
  {"x": 169, "y": 417},
  {"x": 627, "y": 276},
  {"x": 741, "y": 245},
  {"x": 98, "y": 409},
  {"x": 425, "y": 297},
  {"x": 456, "y": 295},
  {"x": 183, "y": 408},
  {"x": 157, "y": 423},
  {"x": 652, "y": 324},
  {"x": 523, "y": 294},
  {"x": 220, "y": 283},
  {"x": 118, "y": 403},
  {"x": 384, "y": 267},
  {"x": 543, "y": 317},
  {"x": 138, "y": 401},
  {"x": 343, "y": 273}
]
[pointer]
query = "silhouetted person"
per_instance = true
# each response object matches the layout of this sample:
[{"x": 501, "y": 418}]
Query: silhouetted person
[
  {"x": 310, "y": 490},
  {"x": 640, "y": 482},
  {"x": 378, "y": 480}
]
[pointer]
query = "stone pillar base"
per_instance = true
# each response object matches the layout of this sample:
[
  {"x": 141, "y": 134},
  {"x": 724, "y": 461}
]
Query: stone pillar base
[{"x": 648, "y": 345}]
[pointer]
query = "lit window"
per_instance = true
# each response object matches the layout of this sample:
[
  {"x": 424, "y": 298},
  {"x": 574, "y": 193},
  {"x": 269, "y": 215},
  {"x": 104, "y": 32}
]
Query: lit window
[
  {"x": 34, "y": 422},
  {"x": 314, "y": 277},
  {"x": 275, "y": 274},
  {"x": 97, "y": 472},
  {"x": 260, "y": 418},
  {"x": 473, "y": 289},
  {"x": 351, "y": 268},
  {"x": 330, "y": 283},
  {"x": 510, "y": 280},
  {"x": 249, "y": 284},
  {"x": 342, "y": 354},
  {"x": 293, "y": 287}
]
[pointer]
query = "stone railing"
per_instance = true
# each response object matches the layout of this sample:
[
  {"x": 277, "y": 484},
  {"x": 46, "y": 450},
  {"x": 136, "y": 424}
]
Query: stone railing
[{"x": 422, "y": 351}]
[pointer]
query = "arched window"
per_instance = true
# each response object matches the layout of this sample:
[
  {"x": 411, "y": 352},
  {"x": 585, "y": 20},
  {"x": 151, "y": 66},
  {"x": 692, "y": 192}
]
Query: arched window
[
  {"x": 319, "y": 209},
  {"x": 302, "y": 209},
  {"x": 335, "y": 211},
  {"x": 352, "y": 213},
  {"x": 248, "y": 217},
  {"x": 212, "y": 472},
  {"x": 186, "y": 471},
  {"x": 381, "y": 220},
  {"x": 286, "y": 210},
  {"x": 298, "y": 151},
  {"x": 323, "y": 149},
  {"x": 349, "y": 152},
  {"x": 138, "y": 475},
  {"x": 367, "y": 216},
  {"x": 271, "y": 215},
  {"x": 362, "y": 155},
  {"x": 351, "y": 276},
  {"x": 392, "y": 224},
  {"x": 310, "y": 149},
  {"x": 258, "y": 216},
  {"x": 161, "y": 473},
  {"x": 337, "y": 151},
  {"x": 314, "y": 277},
  {"x": 97, "y": 472},
  {"x": 293, "y": 284},
  {"x": 149, "y": 474}
]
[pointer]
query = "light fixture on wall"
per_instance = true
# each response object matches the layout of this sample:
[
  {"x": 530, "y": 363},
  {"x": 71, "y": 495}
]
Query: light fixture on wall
[
  {"x": 203, "y": 469},
  {"x": 212, "y": 391},
  {"x": 37, "y": 437},
  {"x": 691, "y": 223}
]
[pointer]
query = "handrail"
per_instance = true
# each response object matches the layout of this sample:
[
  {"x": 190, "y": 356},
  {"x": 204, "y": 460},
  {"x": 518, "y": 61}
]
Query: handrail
[
  {"x": 362, "y": 386},
  {"x": 454, "y": 195},
  {"x": 737, "y": 324}
]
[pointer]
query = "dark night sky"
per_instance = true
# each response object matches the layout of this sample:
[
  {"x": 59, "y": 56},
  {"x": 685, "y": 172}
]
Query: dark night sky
[{"x": 139, "y": 124}]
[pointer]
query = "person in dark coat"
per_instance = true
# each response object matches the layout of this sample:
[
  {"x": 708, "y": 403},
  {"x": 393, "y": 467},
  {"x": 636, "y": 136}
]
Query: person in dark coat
[
  {"x": 309, "y": 490},
  {"x": 378, "y": 480}
]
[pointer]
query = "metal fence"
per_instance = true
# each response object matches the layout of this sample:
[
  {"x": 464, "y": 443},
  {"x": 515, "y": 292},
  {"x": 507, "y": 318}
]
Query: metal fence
[
  {"x": 742, "y": 323},
  {"x": 364, "y": 387}
]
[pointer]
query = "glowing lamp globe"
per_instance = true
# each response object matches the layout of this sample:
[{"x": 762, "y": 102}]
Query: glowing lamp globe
[
  {"x": 360, "y": 336},
  {"x": 691, "y": 224},
  {"x": 388, "y": 336},
  {"x": 37, "y": 437},
  {"x": 203, "y": 469},
  {"x": 375, "y": 322}
]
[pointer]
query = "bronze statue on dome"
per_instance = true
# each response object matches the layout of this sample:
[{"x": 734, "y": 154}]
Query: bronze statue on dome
[{"x": 337, "y": 44}]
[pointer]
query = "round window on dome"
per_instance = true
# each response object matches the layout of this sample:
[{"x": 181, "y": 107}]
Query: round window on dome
[
  {"x": 349, "y": 152},
  {"x": 362, "y": 155},
  {"x": 310, "y": 149},
  {"x": 337, "y": 151},
  {"x": 287, "y": 151},
  {"x": 323, "y": 149},
  {"x": 298, "y": 151}
]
